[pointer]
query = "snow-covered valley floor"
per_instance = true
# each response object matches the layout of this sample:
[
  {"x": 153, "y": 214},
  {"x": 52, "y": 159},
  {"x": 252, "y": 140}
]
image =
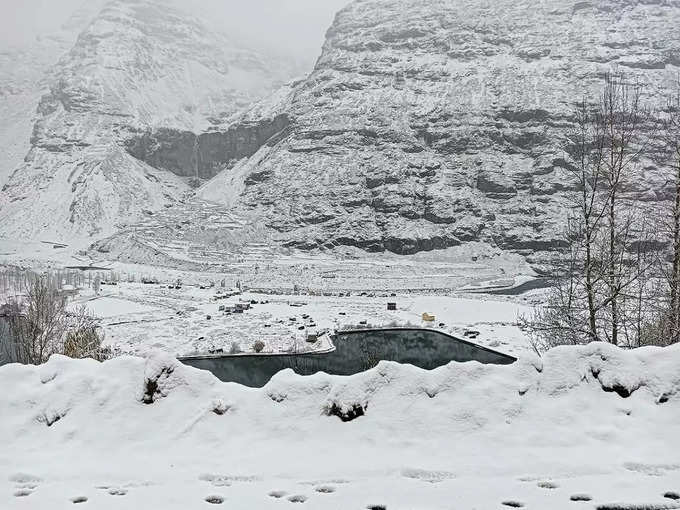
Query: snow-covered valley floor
[
  {"x": 551, "y": 433},
  {"x": 138, "y": 318},
  {"x": 334, "y": 292}
]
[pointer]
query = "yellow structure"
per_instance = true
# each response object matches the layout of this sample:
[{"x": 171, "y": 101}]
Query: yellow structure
[{"x": 427, "y": 317}]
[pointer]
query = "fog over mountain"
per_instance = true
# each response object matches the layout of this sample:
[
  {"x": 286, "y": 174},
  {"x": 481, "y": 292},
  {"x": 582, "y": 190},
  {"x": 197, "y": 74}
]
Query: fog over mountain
[{"x": 292, "y": 28}]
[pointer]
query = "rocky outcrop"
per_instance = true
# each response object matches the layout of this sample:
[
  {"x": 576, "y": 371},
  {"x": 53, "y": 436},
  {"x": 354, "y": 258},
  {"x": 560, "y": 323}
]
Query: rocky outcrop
[
  {"x": 203, "y": 155},
  {"x": 432, "y": 123}
]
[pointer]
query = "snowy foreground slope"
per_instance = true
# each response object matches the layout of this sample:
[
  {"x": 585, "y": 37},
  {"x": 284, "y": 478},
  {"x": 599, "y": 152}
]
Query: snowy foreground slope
[{"x": 556, "y": 433}]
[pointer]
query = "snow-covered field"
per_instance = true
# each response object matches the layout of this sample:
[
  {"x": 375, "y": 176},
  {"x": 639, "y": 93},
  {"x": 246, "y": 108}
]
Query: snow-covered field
[
  {"x": 333, "y": 292},
  {"x": 137, "y": 318},
  {"x": 556, "y": 433}
]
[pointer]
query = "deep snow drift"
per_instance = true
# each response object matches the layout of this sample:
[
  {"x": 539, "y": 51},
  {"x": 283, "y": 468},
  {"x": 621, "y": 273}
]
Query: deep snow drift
[{"x": 583, "y": 423}]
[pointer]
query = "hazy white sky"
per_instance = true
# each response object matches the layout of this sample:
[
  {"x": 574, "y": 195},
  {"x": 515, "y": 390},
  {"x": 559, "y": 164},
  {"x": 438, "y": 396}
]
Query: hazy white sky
[
  {"x": 295, "y": 27},
  {"x": 291, "y": 27},
  {"x": 22, "y": 20}
]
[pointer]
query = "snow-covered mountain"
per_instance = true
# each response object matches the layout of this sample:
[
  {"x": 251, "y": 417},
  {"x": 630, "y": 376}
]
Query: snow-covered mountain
[
  {"x": 431, "y": 123},
  {"x": 138, "y": 67},
  {"x": 423, "y": 125},
  {"x": 26, "y": 69}
]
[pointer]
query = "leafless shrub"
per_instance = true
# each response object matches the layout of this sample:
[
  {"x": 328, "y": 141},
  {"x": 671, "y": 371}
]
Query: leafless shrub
[
  {"x": 39, "y": 324},
  {"x": 84, "y": 339}
]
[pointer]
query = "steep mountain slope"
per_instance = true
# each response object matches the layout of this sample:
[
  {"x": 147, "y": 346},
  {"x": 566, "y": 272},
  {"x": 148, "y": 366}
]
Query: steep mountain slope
[
  {"x": 139, "y": 68},
  {"x": 428, "y": 124},
  {"x": 25, "y": 72},
  {"x": 23, "y": 80}
]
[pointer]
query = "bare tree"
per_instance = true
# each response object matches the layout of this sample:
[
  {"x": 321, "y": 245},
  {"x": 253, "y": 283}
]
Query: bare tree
[
  {"x": 39, "y": 324},
  {"x": 37, "y": 321},
  {"x": 600, "y": 282},
  {"x": 622, "y": 119},
  {"x": 585, "y": 148},
  {"x": 671, "y": 140}
]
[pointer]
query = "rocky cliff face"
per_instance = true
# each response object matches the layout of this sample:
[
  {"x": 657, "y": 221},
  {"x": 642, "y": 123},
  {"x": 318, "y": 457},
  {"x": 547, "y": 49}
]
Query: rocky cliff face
[
  {"x": 203, "y": 155},
  {"x": 138, "y": 67},
  {"x": 431, "y": 123}
]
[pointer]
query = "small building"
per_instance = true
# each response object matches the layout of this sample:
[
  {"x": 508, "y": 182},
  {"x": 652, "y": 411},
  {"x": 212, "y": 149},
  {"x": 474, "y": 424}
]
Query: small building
[
  {"x": 68, "y": 291},
  {"x": 427, "y": 317}
]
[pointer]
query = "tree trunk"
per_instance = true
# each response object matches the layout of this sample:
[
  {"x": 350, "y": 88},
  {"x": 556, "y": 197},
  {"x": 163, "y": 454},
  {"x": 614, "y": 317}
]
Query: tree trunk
[
  {"x": 675, "y": 275},
  {"x": 592, "y": 325},
  {"x": 612, "y": 269}
]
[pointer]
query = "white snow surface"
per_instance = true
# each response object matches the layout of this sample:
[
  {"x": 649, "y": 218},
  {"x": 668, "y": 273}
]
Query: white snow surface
[{"x": 465, "y": 435}]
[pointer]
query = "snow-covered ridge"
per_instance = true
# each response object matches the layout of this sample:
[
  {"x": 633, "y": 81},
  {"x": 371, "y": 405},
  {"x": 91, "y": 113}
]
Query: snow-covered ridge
[{"x": 573, "y": 419}]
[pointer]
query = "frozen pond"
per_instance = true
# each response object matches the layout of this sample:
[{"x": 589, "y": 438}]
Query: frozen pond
[{"x": 355, "y": 352}]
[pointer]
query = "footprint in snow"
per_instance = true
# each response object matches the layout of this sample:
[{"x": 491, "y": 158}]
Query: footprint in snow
[
  {"x": 214, "y": 500},
  {"x": 628, "y": 506},
  {"x": 325, "y": 489},
  {"x": 114, "y": 491},
  {"x": 297, "y": 498},
  {"x": 78, "y": 499},
  {"x": 277, "y": 494},
  {"x": 23, "y": 478},
  {"x": 547, "y": 485},
  {"x": 24, "y": 483},
  {"x": 529, "y": 478},
  {"x": 513, "y": 504},
  {"x": 225, "y": 480},
  {"x": 581, "y": 497},
  {"x": 326, "y": 481},
  {"x": 426, "y": 475}
]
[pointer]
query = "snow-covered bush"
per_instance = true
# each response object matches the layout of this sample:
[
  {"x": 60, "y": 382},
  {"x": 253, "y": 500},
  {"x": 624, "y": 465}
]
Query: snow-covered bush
[
  {"x": 159, "y": 377},
  {"x": 258, "y": 346},
  {"x": 86, "y": 342}
]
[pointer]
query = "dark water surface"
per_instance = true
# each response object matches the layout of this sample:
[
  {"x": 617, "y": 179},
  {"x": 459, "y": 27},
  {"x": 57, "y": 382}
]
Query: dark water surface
[{"x": 354, "y": 353}]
